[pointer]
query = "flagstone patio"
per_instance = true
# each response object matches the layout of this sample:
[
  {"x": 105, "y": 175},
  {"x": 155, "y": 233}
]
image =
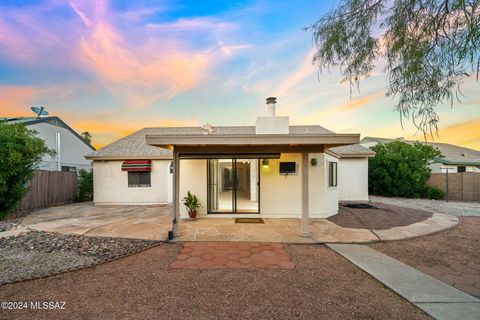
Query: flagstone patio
[{"x": 154, "y": 222}]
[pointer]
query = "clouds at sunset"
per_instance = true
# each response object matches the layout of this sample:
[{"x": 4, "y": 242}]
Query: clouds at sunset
[{"x": 114, "y": 67}]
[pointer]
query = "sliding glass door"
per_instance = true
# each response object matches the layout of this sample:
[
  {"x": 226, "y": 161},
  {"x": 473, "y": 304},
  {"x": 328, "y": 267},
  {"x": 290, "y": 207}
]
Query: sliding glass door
[{"x": 233, "y": 186}]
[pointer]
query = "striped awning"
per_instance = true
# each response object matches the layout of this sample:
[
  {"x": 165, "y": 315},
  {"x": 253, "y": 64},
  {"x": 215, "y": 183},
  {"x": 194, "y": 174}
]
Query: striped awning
[{"x": 137, "y": 165}]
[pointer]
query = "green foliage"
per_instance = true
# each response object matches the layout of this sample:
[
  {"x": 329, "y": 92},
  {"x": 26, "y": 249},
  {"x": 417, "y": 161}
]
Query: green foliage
[
  {"x": 429, "y": 46},
  {"x": 85, "y": 185},
  {"x": 21, "y": 150},
  {"x": 401, "y": 170},
  {"x": 191, "y": 202},
  {"x": 435, "y": 193}
]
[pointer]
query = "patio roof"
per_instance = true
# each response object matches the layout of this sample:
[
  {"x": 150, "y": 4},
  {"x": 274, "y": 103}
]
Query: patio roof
[{"x": 289, "y": 140}]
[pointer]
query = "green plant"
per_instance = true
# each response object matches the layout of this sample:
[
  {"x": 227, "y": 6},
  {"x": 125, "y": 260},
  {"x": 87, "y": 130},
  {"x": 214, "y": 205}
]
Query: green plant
[
  {"x": 400, "y": 169},
  {"x": 21, "y": 150},
  {"x": 435, "y": 193},
  {"x": 191, "y": 202},
  {"x": 85, "y": 185}
]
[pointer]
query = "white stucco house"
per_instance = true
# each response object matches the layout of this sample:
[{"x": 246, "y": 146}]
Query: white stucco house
[
  {"x": 69, "y": 146},
  {"x": 455, "y": 158},
  {"x": 268, "y": 170}
]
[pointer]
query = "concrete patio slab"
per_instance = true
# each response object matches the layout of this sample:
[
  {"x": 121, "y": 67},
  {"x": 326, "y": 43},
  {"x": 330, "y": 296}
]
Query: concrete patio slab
[
  {"x": 154, "y": 222},
  {"x": 438, "y": 299},
  {"x": 135, "y": 222}
]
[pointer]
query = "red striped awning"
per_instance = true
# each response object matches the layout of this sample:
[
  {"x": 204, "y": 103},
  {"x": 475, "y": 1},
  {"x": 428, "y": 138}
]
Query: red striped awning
[{"x": 137, "y": 165}]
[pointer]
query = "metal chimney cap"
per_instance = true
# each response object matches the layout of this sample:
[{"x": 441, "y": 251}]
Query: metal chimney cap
[{"x": 271, "y": 100}]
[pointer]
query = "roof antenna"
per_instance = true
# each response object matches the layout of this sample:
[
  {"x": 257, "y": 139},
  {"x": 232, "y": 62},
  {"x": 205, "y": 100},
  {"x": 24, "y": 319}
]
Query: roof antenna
[{"x": 39, "y": 111}]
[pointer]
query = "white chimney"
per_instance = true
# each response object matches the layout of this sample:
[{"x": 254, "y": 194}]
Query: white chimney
[
  {"x": 272, "y": 124},
  {"x": 271, "y": 106}
]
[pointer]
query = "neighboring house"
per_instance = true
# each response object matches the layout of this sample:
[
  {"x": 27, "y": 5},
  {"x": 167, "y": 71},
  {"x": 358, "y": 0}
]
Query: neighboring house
[
  {"x": 70, "y": 147},
  {"x": 352, "y": 171},
  {"x": 269, "y": 170},
  {"x": 455, "y": 158}
]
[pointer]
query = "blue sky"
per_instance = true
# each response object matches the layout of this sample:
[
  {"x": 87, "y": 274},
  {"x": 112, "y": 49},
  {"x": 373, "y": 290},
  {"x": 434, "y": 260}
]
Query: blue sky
[{"x": 113, "y": 67}]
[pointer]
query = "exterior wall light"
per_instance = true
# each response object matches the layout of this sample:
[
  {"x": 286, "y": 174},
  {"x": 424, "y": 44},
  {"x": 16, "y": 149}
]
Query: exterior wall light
[
  {"x": 314, "y": 162},
  {"x": 265, "y": 163}
]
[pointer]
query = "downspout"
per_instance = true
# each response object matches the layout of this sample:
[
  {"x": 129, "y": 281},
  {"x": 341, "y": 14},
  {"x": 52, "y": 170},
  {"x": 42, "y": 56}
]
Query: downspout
[{"x": 57, "y": 147}]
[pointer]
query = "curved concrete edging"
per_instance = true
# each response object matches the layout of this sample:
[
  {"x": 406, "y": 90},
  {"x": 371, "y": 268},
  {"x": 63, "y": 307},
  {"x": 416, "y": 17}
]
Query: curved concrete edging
[{"x": 436, "y": 223}]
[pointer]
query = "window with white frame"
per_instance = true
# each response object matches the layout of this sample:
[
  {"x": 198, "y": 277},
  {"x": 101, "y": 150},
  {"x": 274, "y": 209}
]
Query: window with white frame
[
  {"x": 332, "y": 174},
  {"x": 139, "y": 179}
]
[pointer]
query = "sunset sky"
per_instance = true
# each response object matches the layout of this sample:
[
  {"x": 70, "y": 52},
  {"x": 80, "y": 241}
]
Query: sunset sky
[{"x": 114, "y": 67}]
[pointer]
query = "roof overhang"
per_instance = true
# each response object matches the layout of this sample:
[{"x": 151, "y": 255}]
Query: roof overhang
[
  {"x": 350, "y": 155},
  {"x": 171, "y": 141},
  {"x": 119, "y": 158},
  {"x": 452, "y": 162}
]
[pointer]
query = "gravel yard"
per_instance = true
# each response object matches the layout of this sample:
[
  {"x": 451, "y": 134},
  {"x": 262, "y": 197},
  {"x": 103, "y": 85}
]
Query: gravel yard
[
  {"x": 384, "y": 217},
  {"x": 37, "y": 253},
  {"x": 143, "y": 286},
  {"x": 469, "y": 209},
  {"x": 452, "y": 256}
]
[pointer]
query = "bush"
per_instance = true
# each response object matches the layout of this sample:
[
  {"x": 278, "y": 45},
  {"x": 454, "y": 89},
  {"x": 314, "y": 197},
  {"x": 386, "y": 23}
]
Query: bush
[
  {"x": 85, "y": 186},
  {"x": 21, "y": 150},
  {"x": 434, "y": 193},
  {"x": 400, "y": 169}
]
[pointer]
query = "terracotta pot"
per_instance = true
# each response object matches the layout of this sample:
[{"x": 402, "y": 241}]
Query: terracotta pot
[{"x": 192, "y": 215}]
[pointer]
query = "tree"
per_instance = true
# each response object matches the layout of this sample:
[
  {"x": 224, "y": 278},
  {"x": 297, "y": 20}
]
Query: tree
[
  {"x": 401, "y": 170},
  {"x": 21, "y": 150},
  {"x": 430, "y": 47},
  {"x": 87, "y": 136},
  {"x": 85, "y": 185}
]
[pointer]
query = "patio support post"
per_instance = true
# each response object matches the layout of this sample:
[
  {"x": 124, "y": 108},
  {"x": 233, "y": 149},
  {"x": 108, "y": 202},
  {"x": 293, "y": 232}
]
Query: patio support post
[
  {"x": 305, "y": 208},
  {"x": 176, "y": 188}
]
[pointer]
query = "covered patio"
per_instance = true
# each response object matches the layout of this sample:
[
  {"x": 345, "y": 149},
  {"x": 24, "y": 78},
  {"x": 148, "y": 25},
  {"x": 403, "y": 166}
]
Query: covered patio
[{"x": 307, "y": 148}]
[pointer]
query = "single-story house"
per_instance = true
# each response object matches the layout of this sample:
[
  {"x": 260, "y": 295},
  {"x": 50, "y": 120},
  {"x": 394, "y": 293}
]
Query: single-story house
[
  {"x": 455, "y": 158},
  {"x": 69, "y": 146},
  {"x": 270, "y": 170}
]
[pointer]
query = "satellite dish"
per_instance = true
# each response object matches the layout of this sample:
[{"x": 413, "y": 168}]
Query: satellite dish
[{"x": 40, "y": 111}]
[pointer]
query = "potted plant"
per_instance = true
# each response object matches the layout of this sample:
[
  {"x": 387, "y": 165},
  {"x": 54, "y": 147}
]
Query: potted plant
[{"x": 191, "y": 202}]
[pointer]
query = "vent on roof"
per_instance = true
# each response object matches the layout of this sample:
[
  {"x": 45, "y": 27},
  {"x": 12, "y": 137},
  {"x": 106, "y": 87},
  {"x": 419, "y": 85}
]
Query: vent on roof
[{"x": 207, "y": 128}]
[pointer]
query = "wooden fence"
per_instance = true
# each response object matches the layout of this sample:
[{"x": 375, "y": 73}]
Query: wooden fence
[
  {"x": 48, "y": 188},
  {"x": 464, "y": 186}
]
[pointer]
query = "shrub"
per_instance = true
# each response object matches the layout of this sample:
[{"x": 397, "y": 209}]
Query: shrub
[
  {"x": 435, "y": 193},
  {"x": 85, "y": 186},
  {"x": 400, "y": 169},
  {"x": 21, "y": 150}
]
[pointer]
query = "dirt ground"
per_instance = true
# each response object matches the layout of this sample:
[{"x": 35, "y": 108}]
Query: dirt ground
[
  {"x": 385, "y": 217},
  {"x": 452, "y": 256},
  {"x": 322, "y": 286}
]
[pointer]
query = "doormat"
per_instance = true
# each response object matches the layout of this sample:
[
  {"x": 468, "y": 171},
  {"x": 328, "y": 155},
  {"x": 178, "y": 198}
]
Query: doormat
[{"x": 249, "y": 220}]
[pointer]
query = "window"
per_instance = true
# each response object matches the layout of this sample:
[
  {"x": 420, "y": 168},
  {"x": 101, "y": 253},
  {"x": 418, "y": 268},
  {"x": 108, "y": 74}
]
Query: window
[
  {"x": 332, "y": 174},
  {"x": 139, "y": 179},
  {"x": 69, "y": 169},
  {"x": 461, "y": 169}
]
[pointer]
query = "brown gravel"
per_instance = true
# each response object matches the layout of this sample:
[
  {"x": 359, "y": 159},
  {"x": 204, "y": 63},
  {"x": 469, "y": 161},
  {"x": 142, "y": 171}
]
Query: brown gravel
[
  {"x": 322, "y": 286},
  {"x": 452, "y": 256},
  {"x": 383, "y": 218}
]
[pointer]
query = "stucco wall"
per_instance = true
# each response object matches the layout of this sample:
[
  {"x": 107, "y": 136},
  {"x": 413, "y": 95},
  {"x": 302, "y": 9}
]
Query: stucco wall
[
  {"x": 440, "y": 168},
  {"x": 280, "y": 195},
  {"x": 72, "y": 149},
  {"x": 353, "y": 179},
  {"x": 111, "y": 184},
  {"x": 193, "y": 178}
]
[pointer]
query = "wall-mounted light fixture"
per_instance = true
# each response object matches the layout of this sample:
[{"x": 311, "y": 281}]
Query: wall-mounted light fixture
[
  {"x": 314, "y": 162},
  {"x": 265, "y": 163}
]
